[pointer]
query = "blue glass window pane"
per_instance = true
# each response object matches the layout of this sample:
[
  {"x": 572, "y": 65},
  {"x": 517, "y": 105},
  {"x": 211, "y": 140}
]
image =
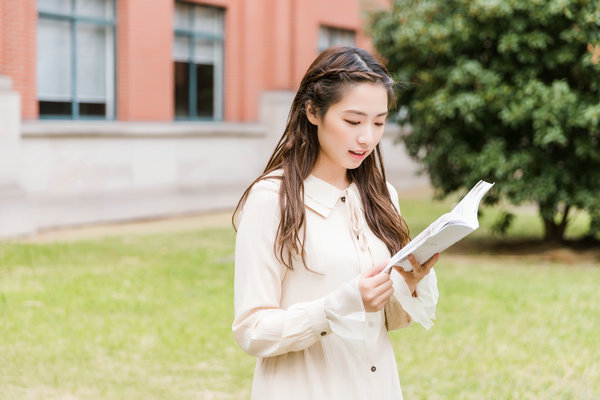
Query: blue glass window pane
[
  {"x": 55, "y": 6},
  {"x": 95, "y": 8},
  {"x": 54, "y": 60}
]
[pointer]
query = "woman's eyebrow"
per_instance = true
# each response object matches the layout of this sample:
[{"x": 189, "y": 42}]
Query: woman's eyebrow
[{"x": 364, "y": 113}]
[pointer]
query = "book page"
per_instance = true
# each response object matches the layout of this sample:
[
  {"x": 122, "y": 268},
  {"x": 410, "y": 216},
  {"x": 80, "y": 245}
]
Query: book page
[
  {"x": 431, "y": 245},
  {"x": 444, "y": 231},
  {"x": 468, "y": 206}
]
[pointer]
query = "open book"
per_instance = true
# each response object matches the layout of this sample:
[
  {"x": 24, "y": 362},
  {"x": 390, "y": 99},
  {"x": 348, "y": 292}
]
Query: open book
[{"x": 444, "y": 231}]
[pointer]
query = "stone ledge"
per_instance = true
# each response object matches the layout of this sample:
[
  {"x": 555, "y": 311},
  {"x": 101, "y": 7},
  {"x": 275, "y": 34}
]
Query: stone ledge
[
  {"x": 53, "y": 212},
  {"x": 127, "y": 130}
]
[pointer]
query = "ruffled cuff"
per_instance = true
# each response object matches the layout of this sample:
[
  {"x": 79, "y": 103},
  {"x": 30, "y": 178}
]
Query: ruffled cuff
[
  {"x": 348, "y": 319},
  {"x": 421, "y": 308}
]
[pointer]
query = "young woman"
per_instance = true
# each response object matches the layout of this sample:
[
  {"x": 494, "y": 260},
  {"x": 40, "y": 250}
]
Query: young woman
[{"x": 313, "y": 233}]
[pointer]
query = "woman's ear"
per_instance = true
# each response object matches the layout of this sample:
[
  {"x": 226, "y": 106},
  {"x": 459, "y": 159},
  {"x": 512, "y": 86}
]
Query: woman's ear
[{"x": 311, "y": 113}]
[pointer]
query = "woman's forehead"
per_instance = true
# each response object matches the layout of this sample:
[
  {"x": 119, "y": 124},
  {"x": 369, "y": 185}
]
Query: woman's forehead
[{"x": 363, "y": 98}]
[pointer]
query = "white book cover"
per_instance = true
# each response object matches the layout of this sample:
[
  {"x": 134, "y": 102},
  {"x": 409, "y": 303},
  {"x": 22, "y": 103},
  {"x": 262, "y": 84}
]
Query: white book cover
[{"x": 444, "y": 231}]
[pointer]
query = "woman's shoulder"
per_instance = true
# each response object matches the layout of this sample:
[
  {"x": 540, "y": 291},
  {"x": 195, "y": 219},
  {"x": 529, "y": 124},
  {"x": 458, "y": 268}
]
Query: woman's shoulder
[
  {"x": 263, "y": 197},
  {"x": 271, "y": 182},
  {"x": 264, "y": 193}
]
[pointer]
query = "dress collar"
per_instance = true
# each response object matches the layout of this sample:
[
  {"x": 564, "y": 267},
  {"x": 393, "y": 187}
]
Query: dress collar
[{"x": 321, "y": 196}]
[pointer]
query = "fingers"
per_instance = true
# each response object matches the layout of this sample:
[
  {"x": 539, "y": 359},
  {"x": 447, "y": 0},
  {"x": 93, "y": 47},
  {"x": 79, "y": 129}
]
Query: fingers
[
  {"x": 375, "y": 291},
  {"x": 382, "y": 299},
  {"x": 378, "y": 282},
  {"x": 429, "y": 263},
  {"x": 376, "y": 297},
  {"x": 425, "y": 267},
  {"x": 375, "y": 288},
  {"x": 404, "y": 273},
  {"x": 413, "y": 261},
  {"x": 375, "y": 269},
  {"x": 413, "y": 277}
]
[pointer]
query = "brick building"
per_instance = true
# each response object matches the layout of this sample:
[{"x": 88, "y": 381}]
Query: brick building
[
  {"x": 141, "y": 108},
  {"x": 128, "y": 60}
]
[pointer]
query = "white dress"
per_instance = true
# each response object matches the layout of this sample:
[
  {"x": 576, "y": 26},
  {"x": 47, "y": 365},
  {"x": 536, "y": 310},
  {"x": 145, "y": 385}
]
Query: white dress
[{"x": 309, "y": 330}]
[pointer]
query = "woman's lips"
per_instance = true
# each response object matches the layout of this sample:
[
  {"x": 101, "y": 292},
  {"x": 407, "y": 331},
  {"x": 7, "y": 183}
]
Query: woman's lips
[{"x": 359, "y": 155}]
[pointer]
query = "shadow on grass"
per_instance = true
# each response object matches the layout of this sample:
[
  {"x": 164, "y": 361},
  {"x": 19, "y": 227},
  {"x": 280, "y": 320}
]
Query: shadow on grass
[{"x": 586, "y": 250}]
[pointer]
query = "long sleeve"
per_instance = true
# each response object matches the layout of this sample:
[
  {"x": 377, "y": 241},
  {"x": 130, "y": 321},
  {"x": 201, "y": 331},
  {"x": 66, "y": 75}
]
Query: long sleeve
[
  {"x": 261, "y": 327},
  {"x": 420, "y": 309}
]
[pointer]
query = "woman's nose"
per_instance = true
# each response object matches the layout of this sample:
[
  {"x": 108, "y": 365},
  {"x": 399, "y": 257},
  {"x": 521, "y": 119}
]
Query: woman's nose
[{"x": 366, "y": 136}]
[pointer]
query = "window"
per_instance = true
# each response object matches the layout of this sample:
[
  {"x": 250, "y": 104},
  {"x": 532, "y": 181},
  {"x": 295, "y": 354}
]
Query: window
[
  {"x": 329, "y": 37},
  {"x": 198, "y": 58},
  {"x": 75, "y": 59}
]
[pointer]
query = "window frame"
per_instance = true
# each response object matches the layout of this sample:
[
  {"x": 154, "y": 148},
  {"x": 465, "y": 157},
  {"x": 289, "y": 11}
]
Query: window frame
[
  {"x": 218, "y": 83},
  {"x": 333, "y": 29},
  {"x": 74, "y": 19}
]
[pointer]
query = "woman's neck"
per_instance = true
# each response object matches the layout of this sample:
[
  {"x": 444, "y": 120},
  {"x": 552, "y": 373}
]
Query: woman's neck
[{"x": 333, "y": 175}]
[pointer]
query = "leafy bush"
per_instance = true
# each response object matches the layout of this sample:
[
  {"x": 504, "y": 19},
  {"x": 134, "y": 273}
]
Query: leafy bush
[{"x": 504, "y": 90}]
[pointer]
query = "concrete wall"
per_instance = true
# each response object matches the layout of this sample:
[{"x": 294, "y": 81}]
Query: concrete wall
[
  {"x": 82, "y": 173},
  {"x": 78, "y": 173},
  {"x": 15, "y": 218}
]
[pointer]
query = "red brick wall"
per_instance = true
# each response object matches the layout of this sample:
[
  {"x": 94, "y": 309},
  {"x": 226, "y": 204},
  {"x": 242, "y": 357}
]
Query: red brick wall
[
  {"x": 308, "y": 15},
  {"x": 268, "y": 46},
  {"x": 18, "y": 29},
  {"x": 1, "y": 35},
  {"x": 144, "y": 61}
]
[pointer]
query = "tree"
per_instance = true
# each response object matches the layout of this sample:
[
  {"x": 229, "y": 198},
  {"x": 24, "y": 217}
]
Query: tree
[{"x": 505, "y": 90}]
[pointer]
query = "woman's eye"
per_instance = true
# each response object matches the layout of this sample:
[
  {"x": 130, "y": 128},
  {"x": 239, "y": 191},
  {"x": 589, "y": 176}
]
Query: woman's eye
[
  {"x": 352, "y": 122},
  {"x": 379, "y": 123}
]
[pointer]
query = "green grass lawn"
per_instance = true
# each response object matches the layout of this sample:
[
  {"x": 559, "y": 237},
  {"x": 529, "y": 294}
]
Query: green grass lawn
[{"x": 149, "y": 317}]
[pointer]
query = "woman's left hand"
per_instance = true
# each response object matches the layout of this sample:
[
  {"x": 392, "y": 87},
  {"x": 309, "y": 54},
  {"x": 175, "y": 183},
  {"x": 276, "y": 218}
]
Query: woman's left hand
[{"x": 418, "y": 272}]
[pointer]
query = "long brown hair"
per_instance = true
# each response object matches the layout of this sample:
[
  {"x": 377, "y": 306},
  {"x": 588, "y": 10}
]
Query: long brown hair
[{"x": 296, "y": 153}]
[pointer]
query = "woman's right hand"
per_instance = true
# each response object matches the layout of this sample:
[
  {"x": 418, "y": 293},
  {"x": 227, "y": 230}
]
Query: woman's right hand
[{"x": 375, "y": 288}]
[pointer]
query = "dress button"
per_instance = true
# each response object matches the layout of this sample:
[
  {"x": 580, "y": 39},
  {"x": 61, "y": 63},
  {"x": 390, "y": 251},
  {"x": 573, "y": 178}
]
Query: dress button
[
  {"x": 373, "y": 368},
  {"x": 371, "y": 324},
  {"x": 323, "y": 333},
  {"x": 343, "y": 199}
]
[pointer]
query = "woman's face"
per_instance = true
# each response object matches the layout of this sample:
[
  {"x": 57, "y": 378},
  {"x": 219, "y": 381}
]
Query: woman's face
[{"x": 351, "y": 128}]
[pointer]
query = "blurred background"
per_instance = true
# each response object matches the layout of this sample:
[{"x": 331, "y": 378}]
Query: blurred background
[
  {"x": 130, "y": 128},
  {"x": 121, "y": 110}
]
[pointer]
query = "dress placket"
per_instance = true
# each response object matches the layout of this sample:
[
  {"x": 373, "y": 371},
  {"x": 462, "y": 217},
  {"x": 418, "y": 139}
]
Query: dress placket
[
  {"x": 365, "y": 258},
  {"x": 357, "y": 226}
]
